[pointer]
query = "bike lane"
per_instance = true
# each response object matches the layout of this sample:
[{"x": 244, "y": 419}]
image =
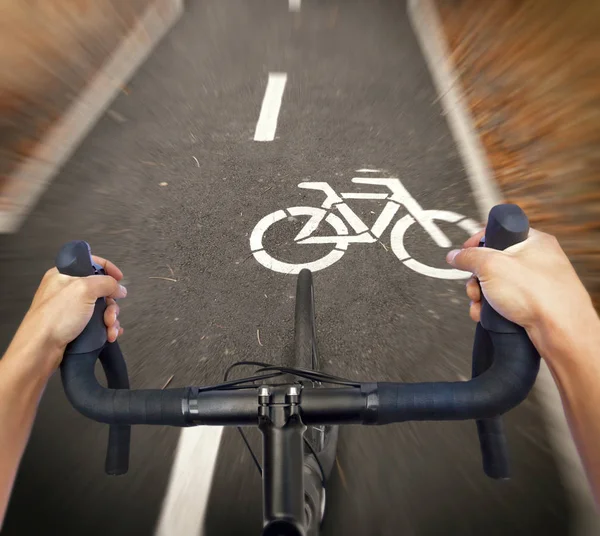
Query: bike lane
[
  {"x": 358, "y": 97},
  {"x": 181, "y": 185}
]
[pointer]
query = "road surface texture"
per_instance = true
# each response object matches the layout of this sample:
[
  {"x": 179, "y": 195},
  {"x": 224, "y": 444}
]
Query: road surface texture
[{"x": 171, "y": 183}]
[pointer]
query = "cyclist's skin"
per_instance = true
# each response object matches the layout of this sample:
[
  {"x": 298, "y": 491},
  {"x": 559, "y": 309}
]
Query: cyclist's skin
[
  {"x": 532, "y": 284},
  {"x": 61, "y": 308}
]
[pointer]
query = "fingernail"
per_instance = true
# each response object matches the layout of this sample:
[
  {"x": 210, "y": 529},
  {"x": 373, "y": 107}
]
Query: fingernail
[
  {"x": 451, "y": 256},
  {"x": 123, "y": 290}
]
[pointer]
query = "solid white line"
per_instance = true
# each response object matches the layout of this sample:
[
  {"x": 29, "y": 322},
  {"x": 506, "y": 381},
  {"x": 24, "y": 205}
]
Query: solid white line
[
  {"x": 426, "y": 24},
  {"x": 295, "y": 5},
  {"x": 269, "y": 112},
  {"x": 435, "y": 50},
  {"x": 184, "y": 506}
]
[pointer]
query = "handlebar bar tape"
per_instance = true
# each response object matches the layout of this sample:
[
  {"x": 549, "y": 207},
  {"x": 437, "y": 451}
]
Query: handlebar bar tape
[
  {"x": 492, "y": 441},
  {"x": 119, "y": 435},
  {"x": 119, "y": 406},
  {"x": 500, "y": 388}
]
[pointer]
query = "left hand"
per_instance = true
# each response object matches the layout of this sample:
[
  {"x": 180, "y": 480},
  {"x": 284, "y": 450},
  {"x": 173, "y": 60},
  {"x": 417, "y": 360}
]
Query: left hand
[{"x": 63, "y": 306}]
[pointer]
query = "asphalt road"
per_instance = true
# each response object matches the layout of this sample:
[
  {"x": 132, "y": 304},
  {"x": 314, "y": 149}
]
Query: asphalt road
[{"x": 358, "y": 95}]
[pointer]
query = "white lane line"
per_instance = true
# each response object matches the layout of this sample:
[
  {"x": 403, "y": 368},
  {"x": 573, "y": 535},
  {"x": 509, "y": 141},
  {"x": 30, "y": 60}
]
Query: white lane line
[
  {"x": 184, "y": 505},
  {"x": 368, "y": 170},
  {"x": 269, "y": 112},
  {"x": 425, "y": 21},
  {"x": 295, "y": 5}
]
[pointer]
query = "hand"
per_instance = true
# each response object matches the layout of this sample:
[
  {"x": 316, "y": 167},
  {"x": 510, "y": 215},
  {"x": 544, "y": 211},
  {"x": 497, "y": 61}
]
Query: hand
[
  {"x": 531, "y": 283},
  {"x": 63, "y": 306}
]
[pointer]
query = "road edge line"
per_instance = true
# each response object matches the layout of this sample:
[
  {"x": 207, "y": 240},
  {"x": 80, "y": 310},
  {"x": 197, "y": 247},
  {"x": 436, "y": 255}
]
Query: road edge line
[
  {"x": 426, "y": 24},
  {"x": 25, "y": 185}
]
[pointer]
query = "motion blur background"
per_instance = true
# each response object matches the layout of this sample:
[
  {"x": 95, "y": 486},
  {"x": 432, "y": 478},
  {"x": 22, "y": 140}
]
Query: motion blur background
[{"x": 129, "y": 123}]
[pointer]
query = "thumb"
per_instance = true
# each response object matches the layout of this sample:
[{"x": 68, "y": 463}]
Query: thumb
[
  {"x": 104, "y": 286},
  {"x": 472, "y": 260}
]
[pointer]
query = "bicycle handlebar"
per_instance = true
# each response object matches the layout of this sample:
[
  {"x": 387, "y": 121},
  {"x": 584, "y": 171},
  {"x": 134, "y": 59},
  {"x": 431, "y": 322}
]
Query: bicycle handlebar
[{"x": 505, "y": 365}]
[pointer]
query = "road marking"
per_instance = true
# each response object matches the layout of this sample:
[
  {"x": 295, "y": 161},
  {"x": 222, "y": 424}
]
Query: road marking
[
  {"x": 368, "y": 170},
  {"x": 424, "y": 18},
  {"x": 361, "y": 233},
  {"x": 269, "y": 112},
  {"x": 295, "y": 5},
  {"x": 397, "y": 243},
  {"x": 184, "y": 505}
]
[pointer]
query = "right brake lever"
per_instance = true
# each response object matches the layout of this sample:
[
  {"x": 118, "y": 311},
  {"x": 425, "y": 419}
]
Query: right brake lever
[{"x": 507, "y": 225}]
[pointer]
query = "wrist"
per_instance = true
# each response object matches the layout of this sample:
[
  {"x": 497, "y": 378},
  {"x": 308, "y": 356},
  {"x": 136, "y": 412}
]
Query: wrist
[
  {"x": 567, "y": 337},
  {"x": 33, "y": 353}
]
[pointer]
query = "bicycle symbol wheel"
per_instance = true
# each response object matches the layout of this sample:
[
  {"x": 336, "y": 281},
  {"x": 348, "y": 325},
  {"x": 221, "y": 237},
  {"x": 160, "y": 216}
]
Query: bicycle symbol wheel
[
  {"x": 316, "y": 215},
  {"x": 397, "y": 243}
]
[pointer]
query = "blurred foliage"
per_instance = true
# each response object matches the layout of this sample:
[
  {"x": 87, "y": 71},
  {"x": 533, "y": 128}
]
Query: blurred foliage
[
  {"x": 49, "y": 50},
  {"x": 531, "y": 73}
]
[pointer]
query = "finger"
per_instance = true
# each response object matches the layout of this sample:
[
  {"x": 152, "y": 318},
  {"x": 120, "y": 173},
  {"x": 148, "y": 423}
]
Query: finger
[
  {"x": 110, "y": 301},
  {"x": 475, "y": 311},
  {"x": 113, "y": 332},
  {"x": 103, "y": 286},
  {"x": 473, "y": 242},
  {"x": 473, "y": 289},
  {"x": 110, "y": 315},
  {"x": 110, "y": 268},
  {"x": 471, "y": 259}
]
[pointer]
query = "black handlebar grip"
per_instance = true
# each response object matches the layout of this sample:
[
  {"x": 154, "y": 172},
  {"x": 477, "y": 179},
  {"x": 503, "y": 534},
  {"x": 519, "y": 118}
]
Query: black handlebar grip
[
  {"x": 507, "y": 225},
  {"x": 75, "y": 259}
]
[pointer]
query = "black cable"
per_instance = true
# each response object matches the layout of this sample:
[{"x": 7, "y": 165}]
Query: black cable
[
  {"x": 226, "y": 385},
  {"x": 312, "y": 375},
  {"x": 244, "y": 363},
  {"x": 312, "y": 450},
  {"x": 256, "y": 462}
]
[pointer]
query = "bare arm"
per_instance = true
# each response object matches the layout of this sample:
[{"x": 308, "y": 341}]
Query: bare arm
[
  {"x": 60, "y": 310},
  {"x": 534, "y": 285},
  {"x": 21, "y": 387}
]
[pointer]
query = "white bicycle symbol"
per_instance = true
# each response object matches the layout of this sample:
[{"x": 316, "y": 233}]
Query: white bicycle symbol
[{"x": 362, "y": 234}]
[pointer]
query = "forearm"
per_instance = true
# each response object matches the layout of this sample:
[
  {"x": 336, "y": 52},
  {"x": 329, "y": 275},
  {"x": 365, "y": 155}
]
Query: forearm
[
  {"x": 574, "y": 361},
  {"x": 23, "y": 378}
]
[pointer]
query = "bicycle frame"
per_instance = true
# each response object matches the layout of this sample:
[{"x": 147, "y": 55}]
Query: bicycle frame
[{"x": 400, "y": 196}]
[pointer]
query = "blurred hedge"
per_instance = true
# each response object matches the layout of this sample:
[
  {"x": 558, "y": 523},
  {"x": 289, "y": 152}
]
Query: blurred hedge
[
  {"x": 49, "y": 50},
  {"x": 531, "y": 73}
]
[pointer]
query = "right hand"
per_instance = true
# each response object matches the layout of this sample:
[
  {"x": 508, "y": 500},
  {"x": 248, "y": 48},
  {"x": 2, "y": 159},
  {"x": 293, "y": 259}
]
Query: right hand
[{"x": 532, "y": 284}]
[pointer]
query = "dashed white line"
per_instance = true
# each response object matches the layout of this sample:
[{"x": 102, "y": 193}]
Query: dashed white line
[
  {"x": 368, "y": 170},
  {"x": 295, "y": 5},
  {"x": 269, "y": 112}
]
